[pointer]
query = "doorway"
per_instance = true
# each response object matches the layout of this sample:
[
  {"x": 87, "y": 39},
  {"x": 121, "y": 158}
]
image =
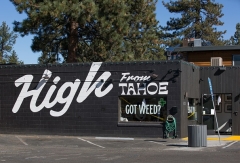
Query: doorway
[{"x": 223, "y": 107}]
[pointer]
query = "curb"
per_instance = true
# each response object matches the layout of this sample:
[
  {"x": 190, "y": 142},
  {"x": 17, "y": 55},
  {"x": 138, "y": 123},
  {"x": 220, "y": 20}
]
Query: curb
[{"x": 230, "y": 138}]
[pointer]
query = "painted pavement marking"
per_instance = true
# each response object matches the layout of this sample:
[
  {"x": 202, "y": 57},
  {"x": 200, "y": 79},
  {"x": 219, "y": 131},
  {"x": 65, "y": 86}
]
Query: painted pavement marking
[
  {"x": 155, "y": 142},
  {"x": 35, "y": 157},
  {"x": 91, "y": 143},
  {"x": 185, "y": 149},
  {"x": 21, "y": 140},
  {"x": 61, "y": 159},
  {"x": 230, "y": 144},
  {"x": 113, "y": 138}
]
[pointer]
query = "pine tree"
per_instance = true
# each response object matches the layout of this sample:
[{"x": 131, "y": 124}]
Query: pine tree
[
  {"x": 13, "y": 58},
  {"x": 7, "y": 40},
  {"x": 235, "y": 39},
  {"x": 91, "y": 30},
  {"x": 198, "y": 19}
]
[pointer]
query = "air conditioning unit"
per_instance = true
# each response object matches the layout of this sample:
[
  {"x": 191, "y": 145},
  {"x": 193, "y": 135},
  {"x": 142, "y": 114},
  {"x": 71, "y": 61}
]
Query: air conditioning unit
[
  {"x": 197, "y": 42},
  {"x": 216, "y": 61}
]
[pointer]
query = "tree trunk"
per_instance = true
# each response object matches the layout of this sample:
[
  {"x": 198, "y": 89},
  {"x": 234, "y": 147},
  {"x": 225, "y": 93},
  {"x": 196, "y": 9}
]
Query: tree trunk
[{"x": 72, "y": 42}]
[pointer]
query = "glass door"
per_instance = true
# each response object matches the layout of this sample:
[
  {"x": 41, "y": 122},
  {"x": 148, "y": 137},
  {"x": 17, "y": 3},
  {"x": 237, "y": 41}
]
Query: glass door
[{"x": 223, "y": 106}]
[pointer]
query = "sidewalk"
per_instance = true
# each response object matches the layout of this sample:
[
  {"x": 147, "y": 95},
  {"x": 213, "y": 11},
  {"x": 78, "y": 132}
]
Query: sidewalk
[{"x": 212, "y": 141}]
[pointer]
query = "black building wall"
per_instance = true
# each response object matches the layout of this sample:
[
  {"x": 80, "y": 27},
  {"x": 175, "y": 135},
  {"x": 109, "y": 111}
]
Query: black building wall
[
  {"x": 224, "y": 81},
  {"x": 94, "y": 116},
  {"x": 189, "y": 89},
  {"x": 99, "y": 116}
]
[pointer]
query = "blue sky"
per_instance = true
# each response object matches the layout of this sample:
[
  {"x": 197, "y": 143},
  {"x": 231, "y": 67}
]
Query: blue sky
[{"x": 8, "y": 13}]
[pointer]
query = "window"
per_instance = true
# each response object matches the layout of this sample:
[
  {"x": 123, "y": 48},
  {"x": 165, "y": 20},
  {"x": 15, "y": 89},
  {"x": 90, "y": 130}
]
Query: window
[
  {"x": 222, "y": 102},
  {"x": 143, "y": 109},
  {"x": 236, "y": 60},
  {"x": 218, "y": 102},
  {"x": 192, "y": 109}
]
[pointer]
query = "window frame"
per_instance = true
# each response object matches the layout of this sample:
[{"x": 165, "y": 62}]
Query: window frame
[{"x": 139, "y": 123}]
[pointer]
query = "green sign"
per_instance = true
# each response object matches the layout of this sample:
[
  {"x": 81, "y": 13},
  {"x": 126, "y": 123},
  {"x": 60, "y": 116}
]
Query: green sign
[{"x": 162, "y": 102}]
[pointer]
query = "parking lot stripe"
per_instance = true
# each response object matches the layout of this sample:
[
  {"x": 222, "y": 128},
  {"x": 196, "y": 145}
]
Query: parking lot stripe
[
  {"x": 156, "y": 142},
  {"x": 21, "y": 140},
  {"x": 230, "y": 144},
  {"x": 61, "y": 159},
  {"x": 91, "y": 143},
  {"x": 113, "y": 138}
]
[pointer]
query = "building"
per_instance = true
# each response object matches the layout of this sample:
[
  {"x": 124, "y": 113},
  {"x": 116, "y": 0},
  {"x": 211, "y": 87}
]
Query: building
[
  {"x": 221, "y": 64},
  {"x": 116, "y": 99},
  {"x": 210, "y": 55}
]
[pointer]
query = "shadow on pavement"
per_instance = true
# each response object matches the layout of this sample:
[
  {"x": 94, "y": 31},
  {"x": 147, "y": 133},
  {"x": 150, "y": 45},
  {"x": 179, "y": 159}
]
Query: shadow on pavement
[
  {"x": 177, "y": 145},
  {"x": 160, "y": 141}
]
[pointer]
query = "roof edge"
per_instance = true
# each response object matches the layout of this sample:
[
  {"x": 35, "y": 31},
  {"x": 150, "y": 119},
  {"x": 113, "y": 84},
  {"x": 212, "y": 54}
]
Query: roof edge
[{"x": 207, "y": 48}]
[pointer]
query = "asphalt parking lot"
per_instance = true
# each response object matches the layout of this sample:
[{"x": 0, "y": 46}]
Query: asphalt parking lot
[{"x": 47, "y": 148}]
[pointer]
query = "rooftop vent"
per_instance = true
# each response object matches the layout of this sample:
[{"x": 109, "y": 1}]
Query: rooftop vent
[
  {"x": 193, "y": 42},
  {"x": 216, "y": 61},
  {"x": 197, "y": 42}
]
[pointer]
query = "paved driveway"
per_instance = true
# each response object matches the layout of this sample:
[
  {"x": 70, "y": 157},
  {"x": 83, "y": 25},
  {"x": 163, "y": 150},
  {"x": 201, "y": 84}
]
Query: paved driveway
[{"x": 35, "y": 148}]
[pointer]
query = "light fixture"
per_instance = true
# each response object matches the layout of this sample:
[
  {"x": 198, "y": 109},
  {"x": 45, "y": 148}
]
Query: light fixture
[
  {"x": 235, "y": 113},
  {"x": 45, "y": 76},
  {"x": 170, "y": 71},
  {"x": 154, "y": 76},
  {"x": 222, "y": 68},
  {"x": 108, "y": 82},
  {"x": 179, "y": 70},
  {"x": 99, "y": 83},
  {"x": 151, "y": 71}
]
